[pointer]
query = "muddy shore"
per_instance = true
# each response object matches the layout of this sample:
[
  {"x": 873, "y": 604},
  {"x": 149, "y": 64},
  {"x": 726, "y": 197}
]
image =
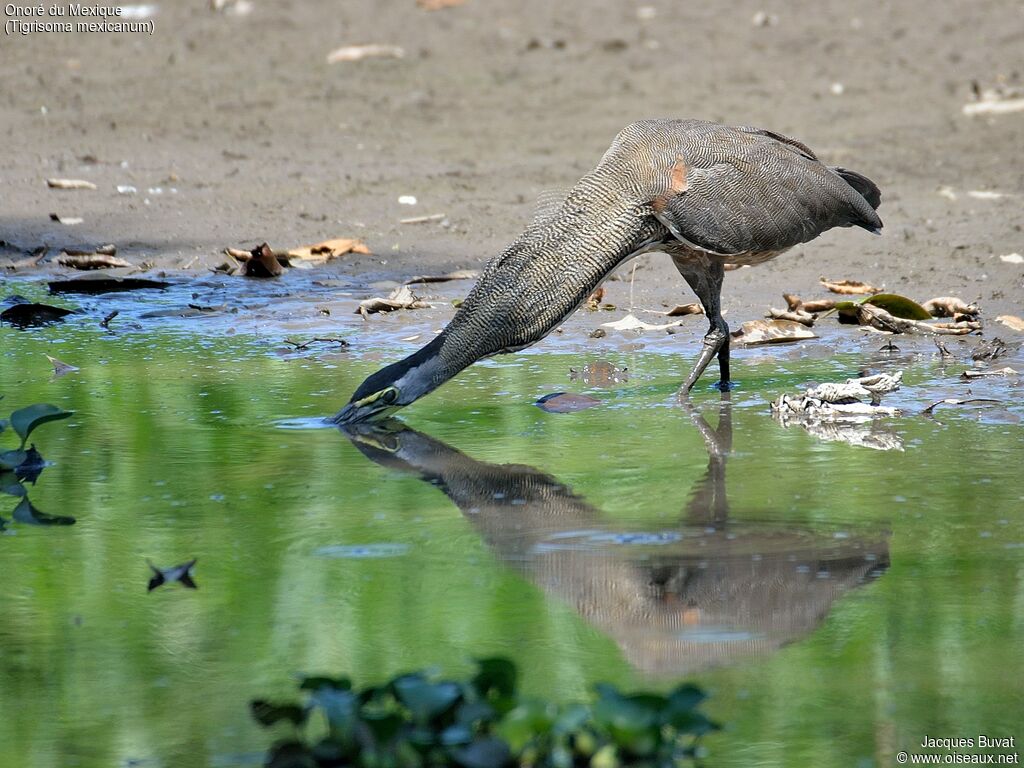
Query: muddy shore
[{"x": 233, "y": 130}]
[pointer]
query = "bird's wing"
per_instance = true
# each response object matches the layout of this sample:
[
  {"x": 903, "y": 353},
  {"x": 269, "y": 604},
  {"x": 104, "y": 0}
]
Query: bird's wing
[{"x": 756, "y": 191}]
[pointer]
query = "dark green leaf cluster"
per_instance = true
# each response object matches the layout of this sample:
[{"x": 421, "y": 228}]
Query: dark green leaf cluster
[
  {"x": 23, "y": 465},
  {"x": 415, "y": 720}
]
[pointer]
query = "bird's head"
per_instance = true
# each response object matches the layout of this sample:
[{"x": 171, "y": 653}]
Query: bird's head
[{"x": 395, "y": 386}]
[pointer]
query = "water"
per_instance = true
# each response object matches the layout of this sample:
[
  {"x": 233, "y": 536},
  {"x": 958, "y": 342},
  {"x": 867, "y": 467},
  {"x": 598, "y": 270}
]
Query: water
[{"x": 838, "y": 601}]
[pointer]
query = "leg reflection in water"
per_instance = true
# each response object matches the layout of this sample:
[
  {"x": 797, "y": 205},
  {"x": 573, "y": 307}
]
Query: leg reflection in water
[{"x": 709, "y": 591}]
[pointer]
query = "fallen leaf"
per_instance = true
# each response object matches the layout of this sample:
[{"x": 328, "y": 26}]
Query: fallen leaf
[
  {"x": 461, "y": 274},
  {"x": 400, "y": 298},
  {"x": 794, "y": 315},
  {"x": 328, "y": 249},
  {"x": 70, "y": 184},
  {"x": 771, "y": 332},
  {"x": 60, "y": 368},
  {"x": 632, "y": 323},
  {"x": 680, "y": 310},
  {"x": 32, "y": 260},
  {"x": 566, "y": 402},
  {"x": 91, "y": 261},
  {"x": 31, "y": 315},
  {"x": 949, "y": 306},
  {"x": 263, "y": 263},
  {"x": 848, "y": 287},
  {"x": 359, "y": 52},
  {"x": 899, "y": 306},
  {"x": 66, "y": 220},
  {"x": 1011, "y": 321},
  {"x": 104, "y": 284},
  {"x": 436, "y": 5},
  {"x": 178, "y": 573},
  {"x": 1012, "y": 258},
  {"x": 968, "y": 375}
]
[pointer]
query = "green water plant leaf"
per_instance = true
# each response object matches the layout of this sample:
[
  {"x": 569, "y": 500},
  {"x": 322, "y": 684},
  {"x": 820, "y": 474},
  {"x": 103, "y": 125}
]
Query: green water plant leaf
[
  {"x": 426, "y": 700},
  {"x": 25, "y": 420},
  {"x": 267, "y": 713},
  {"x": 12, "y": 459},
  {"x": 26, "y": 513},
  {"x": 10, "y": 484},
  {"x": 899, "y": 306}
]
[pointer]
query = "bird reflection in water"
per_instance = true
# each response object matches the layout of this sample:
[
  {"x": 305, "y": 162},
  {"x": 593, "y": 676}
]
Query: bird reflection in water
[{"x": 708, "y": 591}]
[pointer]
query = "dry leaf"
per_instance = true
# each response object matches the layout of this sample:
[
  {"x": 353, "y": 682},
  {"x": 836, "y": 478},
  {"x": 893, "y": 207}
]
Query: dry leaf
[
  {"x": 91, "y": 261},
  {"x": 263, "y": 263},
  {"x": 69, "y": 221},
  {"x": 437, "y": 5},
  {"x": 849, "y": 287},
  {"x": 632, "y": 323},
  {"x": 949, "y": 306},
  {"x": 772, "y": 332},
  {"x": 1011, "y": 321},
  {"x": 359, "y": 52},
  {"x": 70, "y": 184},
  {"x": 680, "y": 310},
  {"x": 400, "y": 298},
  {"x": 459, "y": 274},
  {"x": 328, "y": 249},
  {"x": 968, "y": 375},
  {"x": 795, "y": 315}
]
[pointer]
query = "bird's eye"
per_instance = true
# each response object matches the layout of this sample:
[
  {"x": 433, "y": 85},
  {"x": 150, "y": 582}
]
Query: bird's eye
[{"x": 389, "y": 395}]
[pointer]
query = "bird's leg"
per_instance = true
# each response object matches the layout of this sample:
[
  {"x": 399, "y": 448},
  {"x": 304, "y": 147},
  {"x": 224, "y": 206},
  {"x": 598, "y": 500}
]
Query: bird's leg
[{"x": 706, "y": 282}]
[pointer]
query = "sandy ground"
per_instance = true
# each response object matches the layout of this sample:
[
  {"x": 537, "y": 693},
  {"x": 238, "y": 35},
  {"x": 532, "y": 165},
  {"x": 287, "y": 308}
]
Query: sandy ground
[{"x": 251, "y": 135}]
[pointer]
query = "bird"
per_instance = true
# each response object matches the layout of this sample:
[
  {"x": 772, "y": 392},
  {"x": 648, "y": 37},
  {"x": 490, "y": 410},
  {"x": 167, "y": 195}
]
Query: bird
[{"x": 704, "y": 193}]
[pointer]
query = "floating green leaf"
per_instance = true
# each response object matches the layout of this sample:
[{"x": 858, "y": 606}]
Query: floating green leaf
[
  {"x": 426, "y": 700},
  {"x": 27, "y": 419},
  {"x": 12, "y": 459},
  {"x": 267, "y": 713},
  {"x": 26, "y": 513},
  {"x": 10, "y": 484}
]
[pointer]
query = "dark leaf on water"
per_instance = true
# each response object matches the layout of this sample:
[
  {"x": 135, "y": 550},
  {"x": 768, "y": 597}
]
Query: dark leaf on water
[
  {"x": 60, "y": 368},
  {"x": 32, "y": 315},
  {"x": 290, "y": 754},
  {"x": 180, "y": 573},
  {"x": 105, "y": 284},
  {"x": 383, "y": 725},
  {"x": 426, "y": 700},
  {"x": 26, "y": 513},
  {"x": 566, "y": 402},
  {"x": 263, "y": 263},
  {"x": 267, "y": 713},
  {"x": 497, "y": 675},
  {"x": 316, "y": 682},
  {"x": 25, "y": 420},
  {"x": 9, "y": 484}
]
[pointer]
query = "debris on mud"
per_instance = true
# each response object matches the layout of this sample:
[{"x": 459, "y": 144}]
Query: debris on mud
[
  {"x": 437, "y": 5},
  {"x": 566, "y": 402},
  {"x": 756, "y": 332},
  {"x": 970, "y": 375},
  {"x": 848, "y": 287},
  {"x": 792, "y": 315},
  {"x": 1001, "y": 99},
  {"x": 1012, "y": 258},
  {"x": 870, "y": 315},
  {"x": 360, "y": 52},
  {"x": 990, "y": 349},
  {"x": 86, "y": 261},
  {"x": 955, "y": 401},
  {"x": 459, "y": 274},
  {"x": 1011, "y": 321},
  {"x": 321, "y": 253},
  {"x": 950, "y": 306},
  {"x": 69, "y": 221},
  {"x": 681, "y": 310},
  {"x": 262, "y": 262},
  {"x": 69, "y": 184},
  {"x": 841, "y": 401},
  {"x": 400, "y": 298},
  {"x": 632, "y": 323}
]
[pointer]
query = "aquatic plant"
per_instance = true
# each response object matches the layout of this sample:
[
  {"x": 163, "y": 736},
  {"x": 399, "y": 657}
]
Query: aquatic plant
[
  {"x": 482, "y": 722},
  {"x": 21, "y": 464}
]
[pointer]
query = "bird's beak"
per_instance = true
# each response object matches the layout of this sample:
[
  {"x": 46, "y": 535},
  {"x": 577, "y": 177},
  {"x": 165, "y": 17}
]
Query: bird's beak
[{"x": 360, "y": 411}]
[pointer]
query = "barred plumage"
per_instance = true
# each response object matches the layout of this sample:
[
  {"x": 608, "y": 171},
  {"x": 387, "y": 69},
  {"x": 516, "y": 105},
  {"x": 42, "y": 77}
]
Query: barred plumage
[{"x": 704, "y": 193}]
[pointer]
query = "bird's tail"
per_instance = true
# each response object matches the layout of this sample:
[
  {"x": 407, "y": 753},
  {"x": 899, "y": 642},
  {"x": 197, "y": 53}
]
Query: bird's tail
[{"x": 867, "y": 189}]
